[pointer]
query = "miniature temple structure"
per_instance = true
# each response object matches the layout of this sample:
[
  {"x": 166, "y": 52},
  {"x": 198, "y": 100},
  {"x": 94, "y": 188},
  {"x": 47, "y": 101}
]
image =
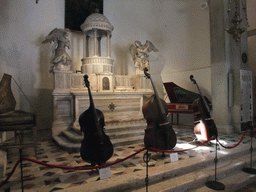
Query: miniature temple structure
[
  {"x": 97, "y": 66},
  {"x": 119, "y": 97}
]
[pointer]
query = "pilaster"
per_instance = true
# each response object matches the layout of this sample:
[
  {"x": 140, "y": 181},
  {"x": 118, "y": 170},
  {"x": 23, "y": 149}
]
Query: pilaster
[{"x": 226, "y": 66}]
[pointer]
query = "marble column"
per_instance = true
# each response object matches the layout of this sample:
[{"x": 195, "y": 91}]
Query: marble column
[
  {"x": 225, "y": 69},
  {"x": 95, "y": 42},
  {"x": 108, "y": 44},
  {"x": 99, "y": 46},
  {"x": 220, "y": 67}
]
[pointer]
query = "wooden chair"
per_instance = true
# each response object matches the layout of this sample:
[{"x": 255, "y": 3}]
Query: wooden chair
[{"x": 19, "y": 121}]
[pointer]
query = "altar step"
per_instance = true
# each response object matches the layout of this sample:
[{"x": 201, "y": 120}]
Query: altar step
[
  {"x": 229, "y": 175},
  {"x": 124, "y": 133},
  {"x": 187, "y": 175}
]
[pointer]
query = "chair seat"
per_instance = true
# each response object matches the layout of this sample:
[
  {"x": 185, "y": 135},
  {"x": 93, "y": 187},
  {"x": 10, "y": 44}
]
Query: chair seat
[
  {"x": 17, "y": 117},
  {"x": 19, "y": 121}
]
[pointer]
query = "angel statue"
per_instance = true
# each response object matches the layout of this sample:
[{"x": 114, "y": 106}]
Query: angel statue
[
  {"x": 140, "y": 54},
  {"x": 59, "y": 38}
]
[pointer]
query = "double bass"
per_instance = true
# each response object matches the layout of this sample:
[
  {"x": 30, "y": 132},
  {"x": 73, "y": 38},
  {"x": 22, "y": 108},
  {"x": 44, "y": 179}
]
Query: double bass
[
  {"x": 96, "y": 147},
  {"x": 205, "y": 128},
  {"x": 159, "y": 133}
]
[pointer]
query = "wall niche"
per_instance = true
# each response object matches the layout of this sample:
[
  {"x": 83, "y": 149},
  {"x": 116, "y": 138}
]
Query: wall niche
[{"x": 76, "y": 11}]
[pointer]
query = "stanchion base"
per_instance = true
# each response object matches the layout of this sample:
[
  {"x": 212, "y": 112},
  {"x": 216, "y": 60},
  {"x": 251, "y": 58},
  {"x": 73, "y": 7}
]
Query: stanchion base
[
  {"x": 215, "y": 185},
  {"x": 249, "y": 170}
]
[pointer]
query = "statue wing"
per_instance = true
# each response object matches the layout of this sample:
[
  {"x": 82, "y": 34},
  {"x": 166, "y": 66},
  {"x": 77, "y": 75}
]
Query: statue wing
[
  {"x": 150, "y": 46},
  {"x": 133, "y": 51},
  {"x": 50, "y": 36}
]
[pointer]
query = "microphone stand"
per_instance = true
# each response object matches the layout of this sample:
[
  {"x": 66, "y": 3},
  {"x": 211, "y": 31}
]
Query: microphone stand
[
  {"x": 250, "y": 170},
  {"x": 215, "y": 185},
  {"x": 21, "y": 170}
]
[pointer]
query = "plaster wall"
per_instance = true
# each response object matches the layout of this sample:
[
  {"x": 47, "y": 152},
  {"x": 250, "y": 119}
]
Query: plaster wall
[
  {"x": 179, "y": 29},
  {"x": 24, "y": 25}
]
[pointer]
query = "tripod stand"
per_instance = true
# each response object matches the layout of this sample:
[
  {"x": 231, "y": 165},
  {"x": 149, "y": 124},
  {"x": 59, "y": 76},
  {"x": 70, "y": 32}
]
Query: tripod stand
[{"x": 215, "y": 185}]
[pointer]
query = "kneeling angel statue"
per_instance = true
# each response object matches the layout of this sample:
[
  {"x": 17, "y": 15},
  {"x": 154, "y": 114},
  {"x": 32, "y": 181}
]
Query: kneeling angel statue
[
  {"x": 60, "y": 42},
  {"x": 140, "y": 55}
]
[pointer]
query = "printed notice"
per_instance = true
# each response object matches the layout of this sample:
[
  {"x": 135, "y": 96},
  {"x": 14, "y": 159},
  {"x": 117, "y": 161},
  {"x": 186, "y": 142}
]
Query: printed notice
[
  {"x": 174, "y": 157},
  {"x": 105, "y": 173}
]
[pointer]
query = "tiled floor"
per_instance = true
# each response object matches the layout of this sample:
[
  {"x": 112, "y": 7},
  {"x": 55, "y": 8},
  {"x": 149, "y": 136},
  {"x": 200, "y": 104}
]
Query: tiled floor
[{"x": 43, "y": 178}]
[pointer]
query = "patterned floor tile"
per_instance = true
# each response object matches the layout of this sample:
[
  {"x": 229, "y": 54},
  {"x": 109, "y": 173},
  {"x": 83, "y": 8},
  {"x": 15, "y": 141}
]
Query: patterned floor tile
[{"x": 53, "y": 179}]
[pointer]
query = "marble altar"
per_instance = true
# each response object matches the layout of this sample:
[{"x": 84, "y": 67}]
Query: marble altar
[{"x": 119, "y": 97}]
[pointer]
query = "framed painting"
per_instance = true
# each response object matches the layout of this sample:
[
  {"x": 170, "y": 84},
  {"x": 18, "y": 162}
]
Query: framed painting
[{"x": 76, "y": 11}]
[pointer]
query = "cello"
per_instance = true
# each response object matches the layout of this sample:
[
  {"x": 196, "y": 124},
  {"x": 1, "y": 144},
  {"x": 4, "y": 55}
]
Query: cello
[
  {"x": 159, "y": 133},
  {"x": 205, "y": 128},
  {"x": 96, "y": 147}
]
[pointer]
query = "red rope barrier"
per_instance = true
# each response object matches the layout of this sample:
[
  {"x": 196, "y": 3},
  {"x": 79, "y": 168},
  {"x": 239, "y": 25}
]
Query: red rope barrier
[
  {"x": 231, "y": 147},
  {"x": 83, "y": 168},
  {"x": 10, "y": 174},
  {"x": 66, "y": 167},
  {"x": 109, "y": 164},
  {"x": 94, "y": 167}
]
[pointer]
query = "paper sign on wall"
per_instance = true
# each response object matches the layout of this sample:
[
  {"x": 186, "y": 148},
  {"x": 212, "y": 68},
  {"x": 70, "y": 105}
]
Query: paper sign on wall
[{"x": 246, "y": 95}]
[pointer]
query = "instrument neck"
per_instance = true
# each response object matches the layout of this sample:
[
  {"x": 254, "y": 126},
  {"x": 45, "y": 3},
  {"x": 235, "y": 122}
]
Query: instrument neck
[
  {"x": 161, "y": 107},
  {"x": 92, "y": 106},
  {"x": 203, "y": 98}
]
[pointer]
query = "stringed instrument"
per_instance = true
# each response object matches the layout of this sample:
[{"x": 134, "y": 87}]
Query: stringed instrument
[
  {"x": 205, "y": 127},
  {"x": 7, "y": 100},
  {"x": 159, "y": 133},
  {"x": 96, "y": 147}
]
